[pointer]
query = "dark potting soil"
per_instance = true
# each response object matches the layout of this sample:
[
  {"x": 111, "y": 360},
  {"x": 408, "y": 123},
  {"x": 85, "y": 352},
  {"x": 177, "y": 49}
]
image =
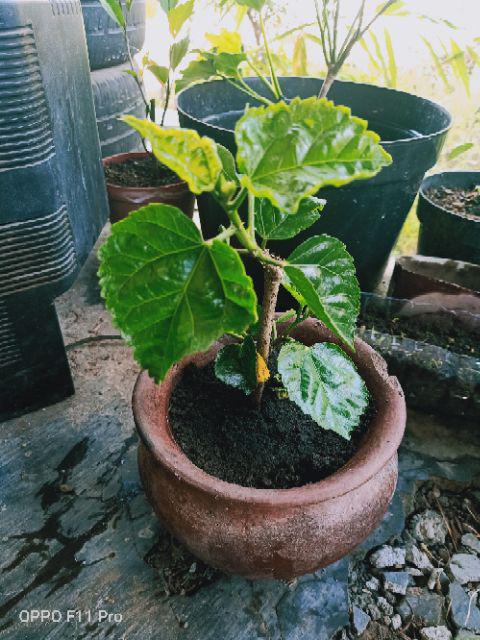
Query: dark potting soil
[
  {"x": 140, "y": 172},
  {"x": 457, "y": 200},
  {"x": 276, "y": 447},
  {"x": 443, "y": 330}
]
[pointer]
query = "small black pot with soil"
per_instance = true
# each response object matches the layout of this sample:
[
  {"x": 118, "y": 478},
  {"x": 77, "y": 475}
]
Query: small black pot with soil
[
  {"x": 434, "y": 350},
  {"x": 137, "y": 179},
  {"x": 449, "y": 214}
]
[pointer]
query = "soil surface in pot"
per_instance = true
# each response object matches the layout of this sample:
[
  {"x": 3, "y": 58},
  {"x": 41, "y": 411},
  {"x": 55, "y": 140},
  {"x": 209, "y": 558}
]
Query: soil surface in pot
[
  {"x": 140, "y": 172},
  {"x": 276, "y": 447},
  {"x": 442, "y": 330},
  {"x": 466, "y": 201}
]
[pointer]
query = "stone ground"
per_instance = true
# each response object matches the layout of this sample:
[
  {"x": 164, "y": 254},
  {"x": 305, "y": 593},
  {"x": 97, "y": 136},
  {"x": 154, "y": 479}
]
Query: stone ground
[{"x": 77, "y": 535}]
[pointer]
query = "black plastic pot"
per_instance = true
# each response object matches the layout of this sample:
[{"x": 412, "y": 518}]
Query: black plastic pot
[
  {"x": 366, "y": 215},
  {"x": 444, "y": 233}
]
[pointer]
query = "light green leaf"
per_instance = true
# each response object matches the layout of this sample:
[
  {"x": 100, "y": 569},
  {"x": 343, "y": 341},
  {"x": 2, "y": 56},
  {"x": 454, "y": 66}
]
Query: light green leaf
[
  {"x": 192, "y": 157},
  {"x": 321, "y": 275},
  {"x": 392, "y": 64},
  {"x": 324, "y": 383},
  {"x": 226, "y": 65},
  {"x": 252, "y": 4},
  {"x": 458, "y": 151},
  {"x": 196, "y": 71},
  {"x": 228, "y": 182},
  {"x": 160, "y": 72},
  {"x": 438, "y": 65},
  {"x": 178, "y": 15},
  {"x": 178, "y": 51},
  {"x": 236, "y": 365},
  {"x": 170, "y": 292},
  {"x": 168, "y": 5},
  {"x": 459, "y": 66},
  {"x": 288, "y": 152},
  {"x": 272, "y": 224},
  {"x": 115, "y": 11},
  {"x": 225, "y": 41},
  {"x": 299, "y": 59}
]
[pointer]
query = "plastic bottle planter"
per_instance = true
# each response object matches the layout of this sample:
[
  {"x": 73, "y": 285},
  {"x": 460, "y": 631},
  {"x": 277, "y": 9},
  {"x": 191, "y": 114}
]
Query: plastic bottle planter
[
  {"x": 105, "y": 40},
  {"x": 53, "y": 202},
  {"x": 115, "y": 92},
  {"x": 445, "y": 233},
  {"x": 366, "y": 215},
  {"x": 434, "y": 379}
]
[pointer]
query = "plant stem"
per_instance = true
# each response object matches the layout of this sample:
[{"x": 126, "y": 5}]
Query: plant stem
[
  {"x": 225, "y": 234},
  {"x": 243, "y": 86},
  {"x": 260, "y": 75},
  {"x": 276, "y": 85},
  {"x": 272, "y": 279},
  {"x": 327, "y": 83},
  {"x": 167, "y": 100},
  {"x": 251, "y": 216},
  {"x": 135, "y": 76}
]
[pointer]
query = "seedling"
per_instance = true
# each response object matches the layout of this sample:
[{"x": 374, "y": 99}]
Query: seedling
[{"x": 172, "y": 292}]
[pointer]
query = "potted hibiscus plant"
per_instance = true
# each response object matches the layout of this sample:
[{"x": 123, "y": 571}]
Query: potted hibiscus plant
[
  {"x": 138, "y": 178},
  {"x": 368, "y": 216},
  {"x": 268, "y": 442}
]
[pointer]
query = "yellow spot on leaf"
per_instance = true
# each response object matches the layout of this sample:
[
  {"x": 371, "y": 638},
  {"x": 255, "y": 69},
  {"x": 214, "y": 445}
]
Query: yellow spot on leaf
[{"x": 263, "y": 374}]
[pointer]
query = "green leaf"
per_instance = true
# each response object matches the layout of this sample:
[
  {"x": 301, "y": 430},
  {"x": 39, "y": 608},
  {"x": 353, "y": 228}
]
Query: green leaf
[
  {"x": 160, "y": 72},
  {"x": 459, "y": 66},
  {"x": 192, "y": 157},
  {"x": 392, "y": 64},
  {"x": 178, "y": 15},
  {"x": 299, "y": 60},
  {"x": 168, "y": 5},
  {"x": 457, "y": 151},
  {"x": 170, "y": 292},
  {"x": 438, "y": 65},
  {"x": 225, "y": 41},
  {"x": 288, "y": 152},
  {"x": 252, "y": 4},
  {"x": 178, "y": 51},
  {"x": 236, "y": 365},
  {"x": 196, "y": 71},
  {"x": 324, "y": 383},
  {"x": 226, "y": 65},
  {"x": 321, "y": 275},
  {"x": 115, "y": 11},
  {"x": 228, "y": 182},
  {"x": 272, "y": 224}
]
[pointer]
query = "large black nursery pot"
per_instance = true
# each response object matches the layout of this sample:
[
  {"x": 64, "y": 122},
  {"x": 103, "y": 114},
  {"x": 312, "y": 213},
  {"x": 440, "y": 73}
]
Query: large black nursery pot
[
  {"x": 366, "y": 215},
  {"x": 444, "y": 233}
]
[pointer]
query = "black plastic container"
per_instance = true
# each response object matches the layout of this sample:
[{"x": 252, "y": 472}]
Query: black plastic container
[
  {"x": 53, "y": 201},
  {"x": 366, "y": 215},
  {"x": 444, "y": 233}
]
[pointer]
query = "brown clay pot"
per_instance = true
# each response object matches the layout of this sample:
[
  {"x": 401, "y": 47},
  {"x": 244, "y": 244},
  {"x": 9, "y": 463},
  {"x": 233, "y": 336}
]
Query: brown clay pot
[
  {"x": 123, "y": 200},
  {"x": 271, "y": 533}
]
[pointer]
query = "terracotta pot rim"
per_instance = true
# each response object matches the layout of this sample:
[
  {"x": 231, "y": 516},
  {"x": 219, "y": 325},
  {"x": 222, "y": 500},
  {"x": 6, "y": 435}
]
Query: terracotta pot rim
[
  {"x": 118, "y": 158},
  {"x": 379, "y": 445}
]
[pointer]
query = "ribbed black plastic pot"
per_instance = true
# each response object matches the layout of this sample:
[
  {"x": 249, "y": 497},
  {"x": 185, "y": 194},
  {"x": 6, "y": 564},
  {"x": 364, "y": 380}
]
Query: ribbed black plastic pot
[
  {"x": 444, "y": 233},
  {"x": 366, "y": 215}
]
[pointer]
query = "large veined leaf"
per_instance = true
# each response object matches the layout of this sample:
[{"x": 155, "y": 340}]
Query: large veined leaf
[
  {"x": 178, "y": 51},
  {"x": 192, "y": 157},
  {"x": 288, "y": 152},
  {"x": 321, "y": 275},
  {"x": 226, "y": 65},
  {"x": 236, "y": 365},
  {"x": 273, "y": 224},
  {"x": 324, "y": 383},
  {"x": 170, "y": 292},
  {"x": 197, "y": 71}
]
